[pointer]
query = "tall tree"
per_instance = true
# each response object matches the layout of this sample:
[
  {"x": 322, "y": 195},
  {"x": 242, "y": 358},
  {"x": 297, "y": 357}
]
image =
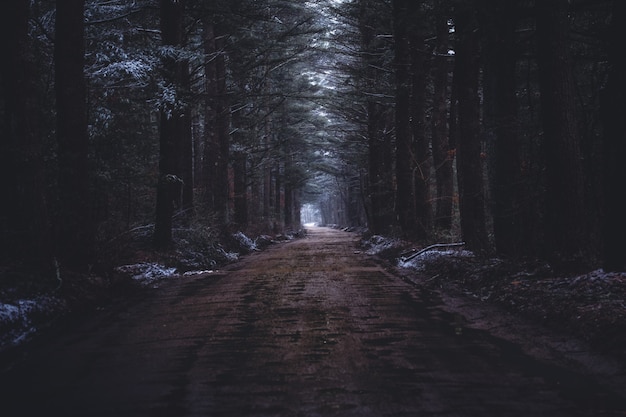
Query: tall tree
[
  {"x": 217, "y": 119},
  {"x": 172, "y": 124},
  {"x": 501, "y": 125},
  {"x": 25, "y": 214},
  {"x": 405, "y": 195},
  {"x": 76, "y": 230},
  {"x": 613, "y": 109},
  {"x": 443, "y": 155},
  {"x": 421, "y": 145},
  {"x": 566, "y": 222},
  {"x": 377, "y": 120},
  {"x": 469, "y": 151}
]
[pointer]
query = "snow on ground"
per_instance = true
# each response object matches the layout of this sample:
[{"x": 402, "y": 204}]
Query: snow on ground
[
  {"x": 17, "y": 318},
  {"x": 378, "y": 244},
  {"x": 418, "y": 263},
  {"x": 245, "y": 242},
  {"x": 147, "y": 274},
  {"x": 21, "y": 318}
]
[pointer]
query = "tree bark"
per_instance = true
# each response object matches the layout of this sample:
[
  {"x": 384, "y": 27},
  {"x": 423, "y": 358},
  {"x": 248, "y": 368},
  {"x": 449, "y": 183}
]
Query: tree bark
[
  {"x": 172, "y": 127},
  {"x": 501, "y": 125},
  {"x": 469, "y": 151},
  {"x": 24, "y": 216},
  {"x": 187, "y": 154},
  {"x": 380, "y": 152},
  {"x": 405, "y": 197},
  {"x": 614, "y": 149},
  {"x": 76, "y": 230},
  {"x": 421, "y": 144},
  {"x": 443, "y": 157},
  {"x": 240, "y": 172},
  {"x": 217, "y": 120},
  {"x": 566, "y": 233}
]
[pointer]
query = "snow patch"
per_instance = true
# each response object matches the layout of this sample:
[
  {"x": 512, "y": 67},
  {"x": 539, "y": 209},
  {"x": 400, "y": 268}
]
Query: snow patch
[
  {"x": 229, "y": 256},
  {"x": 419, "y": 262},
  {"x": 378, "y": 244},
  {"x": 18, "y": 319},
  {"x": 148, "y": 274},
  {"x": 194, "y": 273},
  {"x": 245, "y": 242}
]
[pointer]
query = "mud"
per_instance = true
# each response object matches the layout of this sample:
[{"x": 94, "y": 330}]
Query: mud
[{"x": 307, "y": 328}]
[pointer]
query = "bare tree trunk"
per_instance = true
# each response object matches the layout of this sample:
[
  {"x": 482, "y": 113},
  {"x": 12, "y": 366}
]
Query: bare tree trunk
[
  {"x": 566, "y": 221},
  {"x": 379, "y": 186},
  {"x": 500, "y": 115},
  {"x": 187, "y": 154},
  {"x": 240, "y": 172},
  {"x": 172, "y": 127},
  {"x": 24, "y": 219},
  {"x": 405, "y": 198},
  {"x": 217, "y": 122},
  {"x": 76, "y": 230},
  {"x": 469, "y": 153},
  {"x": 443, "y": 156},
  {"x": 421, "y": 144},
  {"x": 613, "y": 110}
]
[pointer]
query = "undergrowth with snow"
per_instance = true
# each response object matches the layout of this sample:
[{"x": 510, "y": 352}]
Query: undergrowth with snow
[
  {"x": 591, "y": 306},
  {"x": 20, "y": 318},
  {"x": 198, "y": 252}
]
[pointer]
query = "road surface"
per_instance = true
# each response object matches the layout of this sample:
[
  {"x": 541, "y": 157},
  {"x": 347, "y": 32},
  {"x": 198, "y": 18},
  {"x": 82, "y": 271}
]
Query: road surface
[{"x": 307, "y": 328}]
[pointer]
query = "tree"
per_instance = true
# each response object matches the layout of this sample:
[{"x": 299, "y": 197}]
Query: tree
[
  {"x": 25, "y": 212},
  {"x": 469, "y": 151},
  {"x": 372, "y": 81},
  {"x": 420, "y": 61},
  {"x": 501, "y": 125},
  {"x": 566, "y": 222},
  {"x": 171, "y": 122},
  {"x": 614, "y": 101},
  {"x": 405, "y": 194},
  {"x": 76, "y": 229},
  {"x": 216, "y": 119},
  {"x": 443, "y": 154}
]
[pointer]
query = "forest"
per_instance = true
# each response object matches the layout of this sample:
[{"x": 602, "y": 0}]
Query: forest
[{"x": 168, "y": 126}]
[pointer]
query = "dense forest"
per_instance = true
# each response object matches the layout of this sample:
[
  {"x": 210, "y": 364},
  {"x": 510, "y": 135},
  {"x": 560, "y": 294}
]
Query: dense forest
[{"x": 498, "y": 123}]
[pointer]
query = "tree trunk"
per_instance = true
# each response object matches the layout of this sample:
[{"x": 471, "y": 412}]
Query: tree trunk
[
  {"x": 421, "y": 145},
  {"x": 380, "y": 181},
  {"x": 405, "y": 198},
  {"x": 500, "y": 120},
  {"x": 217, "y": 120},
  {"x": 613, "y": 110},
  {"x": 172, "y": 127},
  {"x": 380, "y": 195},
  {"x": 187, "y": 154},
  {"x": 469, "y": 152},
  {"x": 240, "y": 173},
  {"x": 76, "y": 230},
  {"x": 443, "y": 157},
  {"x": 566, "y": 233},
  {"x": 278, "y": 193},
  {"x": 24, "y": 221}
]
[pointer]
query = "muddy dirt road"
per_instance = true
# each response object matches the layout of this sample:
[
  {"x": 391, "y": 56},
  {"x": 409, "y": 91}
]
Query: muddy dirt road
[{"x": 306, "y": 328}]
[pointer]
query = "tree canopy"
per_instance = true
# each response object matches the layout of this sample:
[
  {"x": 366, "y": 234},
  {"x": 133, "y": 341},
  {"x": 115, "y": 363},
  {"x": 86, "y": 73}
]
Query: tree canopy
[{"x": 470, "y": 120}]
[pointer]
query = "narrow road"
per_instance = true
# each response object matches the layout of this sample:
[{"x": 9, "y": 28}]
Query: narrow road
[{"x": 306, "y": 328}]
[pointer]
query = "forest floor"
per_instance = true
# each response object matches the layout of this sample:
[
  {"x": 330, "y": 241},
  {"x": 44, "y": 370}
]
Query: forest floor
[{"x": 591, "y": 306}]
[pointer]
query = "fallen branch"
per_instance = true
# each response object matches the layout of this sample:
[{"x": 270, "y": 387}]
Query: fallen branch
[{"x": 426, "y": 249}]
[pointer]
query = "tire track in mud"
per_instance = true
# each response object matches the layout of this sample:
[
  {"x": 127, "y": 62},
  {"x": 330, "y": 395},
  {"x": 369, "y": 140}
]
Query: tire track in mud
[{"x": 306, "y": 328}]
